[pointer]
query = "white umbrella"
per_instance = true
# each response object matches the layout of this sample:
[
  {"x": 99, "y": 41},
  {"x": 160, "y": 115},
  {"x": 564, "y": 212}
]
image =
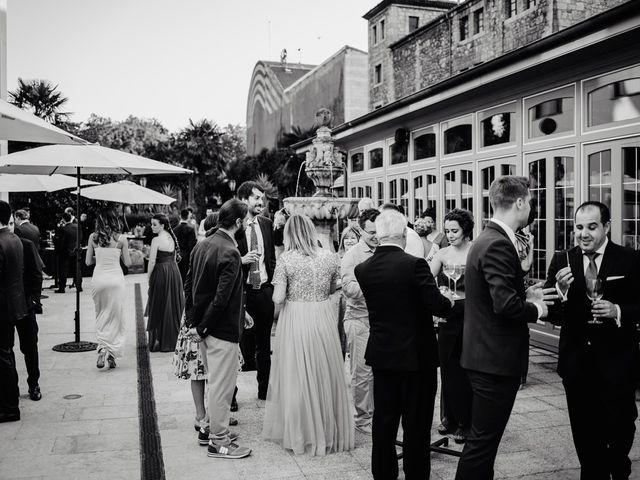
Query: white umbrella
[
  {"x": 38, "y": 183},
  {"x": 77, "y": 159},
  {"x": 20, "y": 125},
  {"x": 92, "y": 159},
  {"x": 125, "y": 191}
]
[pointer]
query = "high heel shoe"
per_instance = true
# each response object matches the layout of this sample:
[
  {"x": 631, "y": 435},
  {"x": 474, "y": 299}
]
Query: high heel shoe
[
  {"x": 100, "y": 362},
  {"x": 112, "y": 361}
]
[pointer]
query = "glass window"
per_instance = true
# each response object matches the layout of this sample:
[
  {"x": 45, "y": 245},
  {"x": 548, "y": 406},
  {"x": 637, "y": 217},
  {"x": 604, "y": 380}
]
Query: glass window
[
  {"x": 464, "y": 28},
  {"x": 424, "y": 146},
  {"x": 357, "y": 162},
  {"x": 510, "y": 8},
  {"x": 378, "y": 74},
  {"x": 631, "y": 197},
  {"x": 398, "y": 153},
  {"x": 564, "y": 202},
  {"x": 431, "y": 191},
  {"x": 414, "y": 23},
  {"x": 404, "y": 195},
  {"x": 550, "y": 117},
  {"x": 367, "y": 191},
  {"x": 466, "y": 189},
  {"x": 529, "y": 3},
  {"x": 496, "y": 129},
  {"x": 538, "y": 189},
  {"x": 393, "y": 192},
  {"x": 418, "y": 195},
  {"x": 374, "y": 34},
  {"x": 615, "y": 102},
  {"x": 478, "y": 21},
  {"x": 380, "y": 193},
  {"x": 354, "y": 192},
  {"x": 375, "y": 158},
  {"x": 457, "y": 139},
  {"x": 360, "y": 192},
  {"x": 487, "y": 176},
  {"x": 449, "y": 191},
  {"x": 382, "y": 29},
  {"x": 599, "y": 167}
]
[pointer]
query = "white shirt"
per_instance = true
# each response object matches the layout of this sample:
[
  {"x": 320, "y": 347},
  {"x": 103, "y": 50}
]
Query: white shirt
[
  {"x": 414, "y": 245},
  {"x": 263, "y": 268}
]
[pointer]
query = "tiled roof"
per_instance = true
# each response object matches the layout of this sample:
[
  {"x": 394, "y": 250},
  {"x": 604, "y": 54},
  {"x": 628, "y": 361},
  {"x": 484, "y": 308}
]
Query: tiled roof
[{"x": 289, "y": 73}]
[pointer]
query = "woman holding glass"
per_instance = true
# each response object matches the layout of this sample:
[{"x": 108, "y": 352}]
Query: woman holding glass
[{"x": 448, "y": 267}]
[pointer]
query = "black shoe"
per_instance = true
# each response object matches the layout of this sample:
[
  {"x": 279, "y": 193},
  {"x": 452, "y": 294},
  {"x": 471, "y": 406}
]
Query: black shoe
[
  {"x": 37, "y": 310},
  {"x": 460, "y": 436},
  {"x": 234, "y": 405},
  {"x": 9, "y": 417},
  {"x": 443, "y": 429},
  {"x": 58, "y": 291},
  {"x": 34, "y": 393},
  {"x": 111, "y": 360},
  {"x": 44, "y": 296}
]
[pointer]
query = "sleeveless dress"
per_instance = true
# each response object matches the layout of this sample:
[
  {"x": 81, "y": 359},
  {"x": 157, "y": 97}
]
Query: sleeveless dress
[
  {"x": 107, "y": 290},
  {"x": 456, "y": 391},
  {"x": 166, "y": 303},
  {"x": 308, "y": 405}
]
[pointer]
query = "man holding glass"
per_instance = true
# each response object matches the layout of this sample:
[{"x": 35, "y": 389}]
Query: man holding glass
[{"x": 598, "y": 357}]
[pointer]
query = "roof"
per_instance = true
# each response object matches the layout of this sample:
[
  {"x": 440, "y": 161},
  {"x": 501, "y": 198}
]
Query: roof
[
  {"x": 412, "y": 3},
  {"x": 289, "y": 73}
]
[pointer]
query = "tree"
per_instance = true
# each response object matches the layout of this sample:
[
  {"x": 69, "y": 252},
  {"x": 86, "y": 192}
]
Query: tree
[{"x": 42, "y": 98}]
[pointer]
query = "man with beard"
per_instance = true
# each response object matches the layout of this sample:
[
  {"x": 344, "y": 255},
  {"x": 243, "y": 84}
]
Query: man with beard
[{"x": 256, "y": 246}]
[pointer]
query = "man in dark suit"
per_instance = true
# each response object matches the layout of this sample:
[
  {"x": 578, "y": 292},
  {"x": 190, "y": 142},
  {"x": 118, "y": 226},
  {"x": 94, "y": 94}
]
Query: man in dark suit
[
  {"x": 256, "y": 246},
  {"x": 68, "y": 247},
  {"x": 214, "y": 309},
  {"x": 495, "y": 341},
  {"x": 401, "y": 296},
  {"x": 13, "y": 308},
  {"x": 186, "y": 240},
  {"x": 28, "y": 327},
  {"x": 25, "y": 229},
  {"x": 598, "y": 357}
]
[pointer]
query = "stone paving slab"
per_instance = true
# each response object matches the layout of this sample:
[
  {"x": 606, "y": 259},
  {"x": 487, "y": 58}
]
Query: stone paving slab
[{"x": 96, "y": 436}]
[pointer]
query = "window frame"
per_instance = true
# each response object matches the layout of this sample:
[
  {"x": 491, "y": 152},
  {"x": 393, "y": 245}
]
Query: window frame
[
  {"x": 409, "y": 18},
  {"x": 469, "y": 119},
  {"x": 377, "y": 68},
  {"x": 464, "y": 32},
  {"x": 368, "y": 149},
  {"x": 478, "y": 13},
  {"x": 418, "y": 133},
  {"x": 481, "y": 115},
  {"x": 540, "y": 97}
]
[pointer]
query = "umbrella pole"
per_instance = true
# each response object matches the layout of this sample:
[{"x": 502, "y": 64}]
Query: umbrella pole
[{"x": 77, "y": 345}]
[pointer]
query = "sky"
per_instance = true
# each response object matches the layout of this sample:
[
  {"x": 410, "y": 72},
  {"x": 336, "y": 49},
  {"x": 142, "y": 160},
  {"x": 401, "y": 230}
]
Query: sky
[{"x": 170, "y": 60}]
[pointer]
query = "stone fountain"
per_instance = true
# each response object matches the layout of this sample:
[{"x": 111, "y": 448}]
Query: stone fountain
[{"x": 323, "y": 164}]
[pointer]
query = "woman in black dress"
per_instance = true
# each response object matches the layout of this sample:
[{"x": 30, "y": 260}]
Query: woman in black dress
[{"x": 166, "y": 294}]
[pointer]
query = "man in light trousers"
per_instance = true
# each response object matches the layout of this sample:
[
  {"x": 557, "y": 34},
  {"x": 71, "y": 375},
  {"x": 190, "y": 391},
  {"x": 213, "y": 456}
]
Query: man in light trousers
[{"x": 356, "y": 321}]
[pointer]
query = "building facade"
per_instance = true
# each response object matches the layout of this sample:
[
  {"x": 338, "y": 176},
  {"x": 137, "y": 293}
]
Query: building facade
[
  {"x": 549, "y": 89},
  {"x": 283, "y": 96}
]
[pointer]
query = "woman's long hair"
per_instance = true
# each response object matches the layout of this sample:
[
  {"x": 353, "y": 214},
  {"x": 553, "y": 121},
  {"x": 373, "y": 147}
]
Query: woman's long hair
[
  {"x": 210, "y": 224},
  {"x": 107, "y": 226},
  {"x": 164, "y": 221},
  {"x": 350, "y": 229},
  {"x": 300, "y": 235}
]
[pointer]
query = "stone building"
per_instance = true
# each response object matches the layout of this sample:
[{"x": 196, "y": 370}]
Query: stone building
[
  {"x": 284, "y": 95},
  {"x": 548, "y": 89}
]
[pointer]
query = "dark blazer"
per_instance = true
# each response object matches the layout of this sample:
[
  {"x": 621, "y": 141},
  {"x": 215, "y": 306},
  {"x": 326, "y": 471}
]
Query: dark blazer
[
  {"x": 401, "y": 296},
  {"x": 13, "y": 306},
  {"x": 266, "y": 228},
  {"x": 614, "y": 351},
  {"x": 32, "y": 274},
  {"x": 495, "y": 337},
  {"x": 186, "y": 236},
  {"x": 29, "y": 231},
  {"x": 68, "y": 242},
  {"x": 214, "y": 289}
]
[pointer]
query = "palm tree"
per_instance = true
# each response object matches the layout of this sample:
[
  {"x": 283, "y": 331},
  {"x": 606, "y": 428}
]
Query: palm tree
[{"x": 41, "y": 97}]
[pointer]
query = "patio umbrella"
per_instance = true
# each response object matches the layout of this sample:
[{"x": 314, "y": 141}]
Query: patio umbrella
[
  {"x": 20, "y": 125},
  {"x": 125, "y": 191},
  {"x": 85, "y": 159},
  {"x": 38, "y": 183}
]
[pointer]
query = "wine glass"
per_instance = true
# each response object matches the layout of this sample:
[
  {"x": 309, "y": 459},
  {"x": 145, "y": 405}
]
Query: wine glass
[
  {"x": 447, "y": 269},
  {"x": 594, "y": 293},
  {"x": 455, "y": 275},
  {"x": 444, "y": 290}
]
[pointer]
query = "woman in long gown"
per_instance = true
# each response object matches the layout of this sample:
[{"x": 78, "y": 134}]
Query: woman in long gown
[
  {"x": 456, "y": 390},
  {"x": 106, "y": 246},
  {"x": 166, "y": 295},
  {"x": 308, "y": 405}
]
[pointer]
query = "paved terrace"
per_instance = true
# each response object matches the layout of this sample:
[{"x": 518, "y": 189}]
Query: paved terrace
[{"x": 96, "y": 432}]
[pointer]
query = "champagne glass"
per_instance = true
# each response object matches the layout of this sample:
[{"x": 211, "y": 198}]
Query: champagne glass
[
  {"x": 444, "y": 290},
  {"x": 447, "y": 269},
  {"x": 594, "y": 293},
  {"x": 455, "y": 275}
]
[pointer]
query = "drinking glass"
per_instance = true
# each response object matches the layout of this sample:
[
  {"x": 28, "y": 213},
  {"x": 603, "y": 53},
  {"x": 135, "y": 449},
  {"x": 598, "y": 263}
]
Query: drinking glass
[
  {"x": 594, "y": 293},
  {"x": 447, "y": 269},
  {"x": 455, "y": 275}
]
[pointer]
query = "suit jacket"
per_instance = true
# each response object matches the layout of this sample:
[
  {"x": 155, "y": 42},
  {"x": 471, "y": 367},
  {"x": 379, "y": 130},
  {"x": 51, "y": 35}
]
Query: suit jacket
[
  {"x": 266, "y": 228},
  {"x": 32, "y": 274},
  {"x": 13, "y": 306},
  {"x": 186, "y": 236},
  {"x": 612, "y": 351},
  {"x": 495, "y": 335},
  {"x": 214, "y": 288},
  {"x": 29, "y": 231},
  {"x": 67, "y": 243},
  {"x": 401, "y": 296}
]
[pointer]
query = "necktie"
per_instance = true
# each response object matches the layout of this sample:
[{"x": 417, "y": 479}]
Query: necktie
[
  {"x": 592, "y": 269},
  {"x": 254, "y": 271}
]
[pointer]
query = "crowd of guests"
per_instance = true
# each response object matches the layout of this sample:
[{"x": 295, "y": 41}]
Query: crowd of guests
[{"x": 213, "y": 302}]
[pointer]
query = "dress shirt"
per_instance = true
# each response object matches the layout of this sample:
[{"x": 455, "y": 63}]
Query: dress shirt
[
  {"x": 356, "y": 305},
  {"x": 414, "y": 245},
  {"x": 585, "y": 266},
  {"x": 201, "y": 231},
  {"x": 512, "y": 237},
  {"x": 263, "y": 268}
]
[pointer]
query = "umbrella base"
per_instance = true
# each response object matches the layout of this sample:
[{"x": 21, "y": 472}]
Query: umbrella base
[{"x": 70, "y": 347}]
